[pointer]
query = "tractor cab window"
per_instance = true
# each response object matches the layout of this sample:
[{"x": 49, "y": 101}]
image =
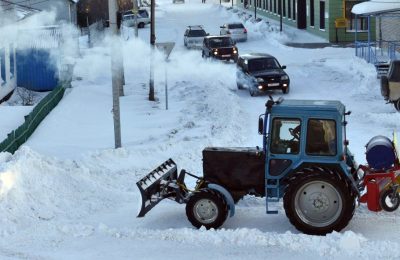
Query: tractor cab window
[
  {"x": 321, "y": 137},
  {"x": 285, "y": 136}
]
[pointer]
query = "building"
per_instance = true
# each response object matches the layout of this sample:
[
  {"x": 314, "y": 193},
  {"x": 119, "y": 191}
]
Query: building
[
  {"x": 329, "y": 19},
  {"x": 65, "y": 9}
]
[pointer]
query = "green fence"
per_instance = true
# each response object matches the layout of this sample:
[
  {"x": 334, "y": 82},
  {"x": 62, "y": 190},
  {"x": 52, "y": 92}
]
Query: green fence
[{"x": 19, "y": 136}]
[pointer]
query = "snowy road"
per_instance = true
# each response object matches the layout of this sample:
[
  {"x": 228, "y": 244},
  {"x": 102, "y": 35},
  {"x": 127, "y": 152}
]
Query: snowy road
[{"x": 68, "y": 195}]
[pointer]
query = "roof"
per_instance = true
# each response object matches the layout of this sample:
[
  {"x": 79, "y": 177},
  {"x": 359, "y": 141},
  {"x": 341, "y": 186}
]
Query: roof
[
  {"x": 294, "y": 106},
  {"x": 249, "y": 56},
  {"x": 376, "y": 7},
  {"x": 217, "y": 36},
  {"x": 195, "y": 27}
]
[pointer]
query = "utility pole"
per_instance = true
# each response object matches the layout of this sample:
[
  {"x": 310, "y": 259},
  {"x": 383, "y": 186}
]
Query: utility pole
[
  {"x": 115, "y": 67},
  {"x": 152, "y": 43},
  {"x": 280, "y": 15},
  {"x": 135, "y": 12},
  {"x": 255, "y": 9}
]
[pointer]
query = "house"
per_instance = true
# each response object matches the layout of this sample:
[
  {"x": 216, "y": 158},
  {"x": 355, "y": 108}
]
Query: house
[
  {"x": 383, "y": 48},
  {"x": 65, "y": 9},
  {"x": 329, "y": 19}
]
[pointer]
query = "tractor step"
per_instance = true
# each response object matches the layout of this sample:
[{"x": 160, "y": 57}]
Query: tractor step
[{"x": 157, "y": 185}]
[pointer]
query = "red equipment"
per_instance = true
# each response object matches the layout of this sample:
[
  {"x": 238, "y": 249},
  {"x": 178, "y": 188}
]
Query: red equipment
[{"x": 381, "y": 188}]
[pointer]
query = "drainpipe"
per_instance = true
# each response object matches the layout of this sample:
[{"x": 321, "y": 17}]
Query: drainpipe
[
  {"x": 369, "y": 39},
  {"x": 355, "y": 37},
  {"x": 7, "y": 63}
]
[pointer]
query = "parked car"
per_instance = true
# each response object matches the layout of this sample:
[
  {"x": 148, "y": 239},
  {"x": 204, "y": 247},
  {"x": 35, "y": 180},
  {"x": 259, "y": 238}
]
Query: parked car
[
  {"x": 390, "y": 84},
  {"x": 237, "y": 31},
  {"x": 194, "y": 36},
  {"x": 260, "y": 72},
  {"x": 143, "y": 18},
  {"x": 178, "y": 1},
  {"x": 219, "y": 47}
]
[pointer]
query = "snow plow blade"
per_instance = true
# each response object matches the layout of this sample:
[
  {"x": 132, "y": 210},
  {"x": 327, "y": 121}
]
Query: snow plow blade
[{"x": 156, "y": 186}]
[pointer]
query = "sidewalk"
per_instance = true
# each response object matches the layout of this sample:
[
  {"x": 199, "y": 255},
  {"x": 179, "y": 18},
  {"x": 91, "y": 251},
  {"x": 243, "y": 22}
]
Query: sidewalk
[{"x": 317, "y": 45}]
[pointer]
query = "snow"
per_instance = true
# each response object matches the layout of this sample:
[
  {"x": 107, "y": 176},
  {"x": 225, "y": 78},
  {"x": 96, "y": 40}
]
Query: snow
[
  {"x": 376, "y": 6},
  {"x": 12, "y": 118},
  {"x": 68, "y": 194}
]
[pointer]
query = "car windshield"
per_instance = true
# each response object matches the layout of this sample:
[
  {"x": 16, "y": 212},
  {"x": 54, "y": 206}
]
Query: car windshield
[
  {"x": 197, "y": 33},
  {"x": 263, "y": 64},
  {"x": 235, "y": 26},
  {"x": 221, "y": 42}
]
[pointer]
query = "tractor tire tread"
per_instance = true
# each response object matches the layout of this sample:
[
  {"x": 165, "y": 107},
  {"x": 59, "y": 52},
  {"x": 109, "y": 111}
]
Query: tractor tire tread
[{"x": 302, "y": 176}]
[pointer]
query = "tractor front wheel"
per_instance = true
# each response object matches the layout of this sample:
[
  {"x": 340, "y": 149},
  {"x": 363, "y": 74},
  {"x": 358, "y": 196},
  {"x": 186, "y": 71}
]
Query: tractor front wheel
[
  {"x": 318, "y": 202},
  {"x": 207, "y": 208}
]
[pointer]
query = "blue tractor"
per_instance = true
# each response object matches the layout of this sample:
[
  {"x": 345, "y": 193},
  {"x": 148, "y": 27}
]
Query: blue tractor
[{"x": 304, "y": 160}]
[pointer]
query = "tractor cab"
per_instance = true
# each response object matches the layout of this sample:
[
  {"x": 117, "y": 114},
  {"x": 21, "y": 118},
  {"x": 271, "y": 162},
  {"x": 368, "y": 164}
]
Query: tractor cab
[{"x": 299, "y": 133}]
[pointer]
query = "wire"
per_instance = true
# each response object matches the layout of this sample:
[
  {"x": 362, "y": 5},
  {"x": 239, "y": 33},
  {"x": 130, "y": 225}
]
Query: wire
[{"x": 20, "y": 5}]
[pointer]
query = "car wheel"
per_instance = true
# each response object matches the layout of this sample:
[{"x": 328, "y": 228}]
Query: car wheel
[
  {"x": 141, "y": 25},
  {"x": 203, "y": 55},
  {"x": 239, "y": 86},
  {"x": 286, "y": 90},
  {"x": 397, "y": 105},
  {"x": 207, "y": 208},
  {"x": 252, "y": 91}
]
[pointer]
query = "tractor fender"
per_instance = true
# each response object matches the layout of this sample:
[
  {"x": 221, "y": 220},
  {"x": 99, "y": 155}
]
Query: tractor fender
[{"x": 227, "y": 196}]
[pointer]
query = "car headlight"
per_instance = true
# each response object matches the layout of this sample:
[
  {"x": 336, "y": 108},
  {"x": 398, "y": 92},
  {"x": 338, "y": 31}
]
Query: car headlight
[
  {"x": 285, "y": 77},
  {"x": 234, "y": 51},
  {"x": 260, "y": 80}
]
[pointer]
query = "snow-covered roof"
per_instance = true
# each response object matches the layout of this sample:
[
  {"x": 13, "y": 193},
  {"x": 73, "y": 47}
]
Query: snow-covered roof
[{"x": 376, "y": 6}]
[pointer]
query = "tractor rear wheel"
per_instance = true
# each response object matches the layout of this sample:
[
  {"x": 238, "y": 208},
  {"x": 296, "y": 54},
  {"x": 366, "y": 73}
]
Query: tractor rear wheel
[
  {"x": 318, "y": 202},
  {"x": 207, "y": 208}
]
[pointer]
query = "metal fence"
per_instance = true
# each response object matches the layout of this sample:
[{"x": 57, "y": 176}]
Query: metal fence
[{"x": 19, "y": 136}]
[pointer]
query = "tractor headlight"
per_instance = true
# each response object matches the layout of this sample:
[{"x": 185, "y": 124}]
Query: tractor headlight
[
  {"x": 285, "y": 77},
  {"x": 260, "y": 80},
  {"x": 215, "y": 52},
  {"x": 234, "y": 51}
]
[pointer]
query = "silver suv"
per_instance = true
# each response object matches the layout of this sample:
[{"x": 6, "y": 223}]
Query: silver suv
[
  {"x": 194, "y": 36},
  {"x": 143, "y": 18},
  {"x": 237, "y": 31}
]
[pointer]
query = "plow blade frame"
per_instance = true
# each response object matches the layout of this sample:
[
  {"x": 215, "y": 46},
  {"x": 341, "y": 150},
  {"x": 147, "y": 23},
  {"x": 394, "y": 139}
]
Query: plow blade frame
[{"x": 154, "y": 187}]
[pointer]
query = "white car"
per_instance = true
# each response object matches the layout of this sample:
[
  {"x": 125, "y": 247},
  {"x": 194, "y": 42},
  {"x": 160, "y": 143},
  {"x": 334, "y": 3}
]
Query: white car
[
  {"x": 194, "y": 36},
  {"x": 143, "y": 18},
  {"x": 237, "y": 31}
]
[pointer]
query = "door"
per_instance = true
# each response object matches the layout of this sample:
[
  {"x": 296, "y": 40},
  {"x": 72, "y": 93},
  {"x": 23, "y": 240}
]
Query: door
[
  {"x": 302, "y": 14},
  {"x": 284, "y": 146}
]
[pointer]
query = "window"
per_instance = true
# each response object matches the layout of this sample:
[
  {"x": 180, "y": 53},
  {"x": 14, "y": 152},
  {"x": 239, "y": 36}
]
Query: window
[
  {"x": 284, "y": 8},
  {"x": 312, "y": 13},
  {"x": 274, "y": 6},
  {"x": 294, "y": 10},
  {"x": 285, "y": 136},
  {"x": 322, "y": 15},
  {"x": 270, "y": 5},
  {"x": 321, "y": 137},
  {"x": 361, "y": 23},
  {"x": 263, "y": 64},
  {"x": 289, "y": 9}
]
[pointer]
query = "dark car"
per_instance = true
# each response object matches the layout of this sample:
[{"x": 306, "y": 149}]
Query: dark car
[
  {"x": 220, "y": 47},
  {"x": 260, "y": 72},
  {"x": 390, "y": 84}
]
